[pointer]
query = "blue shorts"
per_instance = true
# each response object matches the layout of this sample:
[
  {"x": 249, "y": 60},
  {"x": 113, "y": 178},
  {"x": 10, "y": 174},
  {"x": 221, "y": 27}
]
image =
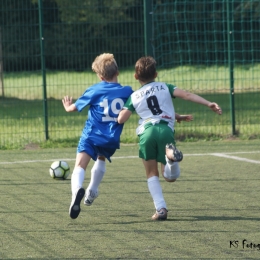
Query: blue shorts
[{"x": 94, "y": 151}]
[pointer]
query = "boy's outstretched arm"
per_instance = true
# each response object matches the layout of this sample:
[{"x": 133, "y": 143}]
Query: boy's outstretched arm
[
  {"x": 197, "y": 99},
  {"x": 68, "y": 105},
  {"x": 123, "y": 116},
  {"x": 180, "y": 118}
]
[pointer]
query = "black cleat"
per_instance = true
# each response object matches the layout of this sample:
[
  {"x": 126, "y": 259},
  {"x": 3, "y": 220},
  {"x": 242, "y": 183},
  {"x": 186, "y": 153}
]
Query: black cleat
[{"x": 75, "y": 203}]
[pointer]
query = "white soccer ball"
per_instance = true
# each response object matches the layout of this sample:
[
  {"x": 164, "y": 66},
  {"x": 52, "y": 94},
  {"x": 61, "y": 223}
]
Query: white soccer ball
[{"x": 59, "y": 170}]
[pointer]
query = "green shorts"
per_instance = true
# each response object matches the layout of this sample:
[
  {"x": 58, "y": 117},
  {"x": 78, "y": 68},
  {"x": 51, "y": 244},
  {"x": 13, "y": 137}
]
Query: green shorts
[{"x": 153, "y": 140}]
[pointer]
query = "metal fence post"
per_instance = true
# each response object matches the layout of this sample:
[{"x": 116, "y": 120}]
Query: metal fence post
[
  {"x": 1, "y": 66},
  {"x": 230, "y": 15},
  {"x": 43, "y": 70},
  {"x": 148, "y": 36}
]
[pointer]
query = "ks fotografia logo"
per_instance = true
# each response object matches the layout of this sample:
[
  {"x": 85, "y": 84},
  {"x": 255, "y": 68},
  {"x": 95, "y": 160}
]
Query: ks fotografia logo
[{"x": 244, "y": 244}]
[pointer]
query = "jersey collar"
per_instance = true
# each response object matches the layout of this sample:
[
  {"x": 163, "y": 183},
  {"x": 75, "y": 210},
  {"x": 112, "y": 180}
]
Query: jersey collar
[{"x": 147, "y": 83}]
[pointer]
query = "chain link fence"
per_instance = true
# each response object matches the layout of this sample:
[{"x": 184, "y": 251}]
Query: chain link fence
[{"x": 47, "y": 47}]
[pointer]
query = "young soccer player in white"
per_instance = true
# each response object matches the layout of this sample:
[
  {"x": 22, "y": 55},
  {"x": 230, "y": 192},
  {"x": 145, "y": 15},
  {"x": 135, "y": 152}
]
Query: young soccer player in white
[
  {"x": 101, "y": 135},
  {"x": 153, "y": 103}
]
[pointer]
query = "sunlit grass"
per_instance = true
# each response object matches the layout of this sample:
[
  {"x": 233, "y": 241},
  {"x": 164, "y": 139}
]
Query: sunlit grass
[
  {"x": 23, "y": 116},
  {"x": 197, "y": 79}
]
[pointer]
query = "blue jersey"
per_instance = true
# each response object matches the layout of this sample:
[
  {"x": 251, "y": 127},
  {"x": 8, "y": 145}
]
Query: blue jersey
[{"x": 105, "y": 100}]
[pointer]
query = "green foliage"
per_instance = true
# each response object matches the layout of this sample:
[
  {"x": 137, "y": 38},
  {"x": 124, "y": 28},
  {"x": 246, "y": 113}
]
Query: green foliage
[
  {"x": 77, "y": 31},
  {"x": 197, "y": 33},
  {"x": 19, "y": 35},
  {"x": 99, "y": 13},
  {"x": 74, "y": 32}
]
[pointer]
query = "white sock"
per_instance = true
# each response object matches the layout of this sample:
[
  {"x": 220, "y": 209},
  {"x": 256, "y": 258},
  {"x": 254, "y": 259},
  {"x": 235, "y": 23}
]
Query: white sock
[
  {"x": 97, "y": 173},
  {"x": 171, "y": 170},
  {"x": 155, "y": 189},
  {"x": 77, "y": 179}
]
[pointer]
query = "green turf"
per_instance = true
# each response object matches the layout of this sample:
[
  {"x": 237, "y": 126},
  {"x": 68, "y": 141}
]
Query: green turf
[
  {"x": 215, "y": 201},
  {"x": 22, "y": 118},
  {"x": 26, "y": 125}
]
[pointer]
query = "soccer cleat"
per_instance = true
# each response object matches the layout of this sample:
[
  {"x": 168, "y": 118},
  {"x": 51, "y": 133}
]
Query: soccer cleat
[
  {"x": 160, "y": 215},
  {"x": 75, "y": 203},
  {"x": 177, "y": 155},
  {"x": 90, "y": 197}
]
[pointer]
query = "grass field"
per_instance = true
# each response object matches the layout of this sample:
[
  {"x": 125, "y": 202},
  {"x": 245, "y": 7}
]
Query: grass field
[
  {"x": 197, "y": 79},
  {"x": 25, "y": 125},
  {"x": 22, "y": 118},
  {"x": 213, "y": 207}
]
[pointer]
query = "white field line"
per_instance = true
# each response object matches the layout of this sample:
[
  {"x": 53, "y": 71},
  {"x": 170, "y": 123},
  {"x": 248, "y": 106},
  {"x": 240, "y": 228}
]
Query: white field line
[
  {"x": 235, "y": 158},
  {"x": 224, "y": 155}
]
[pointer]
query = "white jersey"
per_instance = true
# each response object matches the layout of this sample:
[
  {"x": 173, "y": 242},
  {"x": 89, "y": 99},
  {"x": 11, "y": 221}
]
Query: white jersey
[{"x": 153, "y": 103}]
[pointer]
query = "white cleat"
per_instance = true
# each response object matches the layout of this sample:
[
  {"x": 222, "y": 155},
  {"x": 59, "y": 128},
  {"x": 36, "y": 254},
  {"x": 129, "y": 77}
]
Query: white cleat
[{"x": 90, "y": 197}]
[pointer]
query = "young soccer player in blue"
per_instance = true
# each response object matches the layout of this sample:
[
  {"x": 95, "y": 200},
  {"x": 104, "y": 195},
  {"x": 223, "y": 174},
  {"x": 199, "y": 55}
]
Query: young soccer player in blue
[{"x": 101, "y": 135}]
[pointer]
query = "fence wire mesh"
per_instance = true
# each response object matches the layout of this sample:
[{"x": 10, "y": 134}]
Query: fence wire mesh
[{"x": 47, "y": 47}]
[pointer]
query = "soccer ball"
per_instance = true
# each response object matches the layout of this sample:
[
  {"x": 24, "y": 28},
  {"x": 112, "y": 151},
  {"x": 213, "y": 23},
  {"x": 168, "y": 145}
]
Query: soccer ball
[{"x": 59, "y": 170}]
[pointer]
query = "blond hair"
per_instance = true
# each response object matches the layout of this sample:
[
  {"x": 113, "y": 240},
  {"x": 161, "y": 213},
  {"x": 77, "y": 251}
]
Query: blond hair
[{"x": 105, "y": 66}]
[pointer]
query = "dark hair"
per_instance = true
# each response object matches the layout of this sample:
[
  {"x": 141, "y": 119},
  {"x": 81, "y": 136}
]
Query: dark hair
[{"x": 145, "y": 68}]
